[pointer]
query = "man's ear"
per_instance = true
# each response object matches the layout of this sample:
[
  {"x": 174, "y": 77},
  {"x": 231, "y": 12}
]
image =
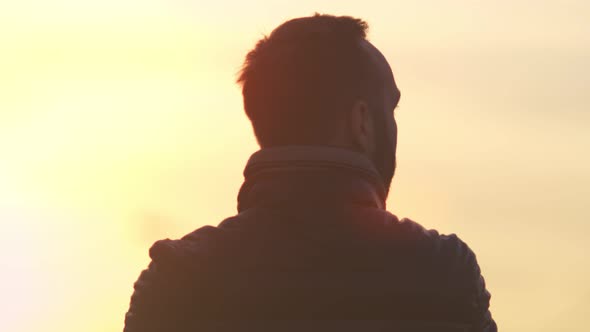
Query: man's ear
[{"x": 361, "y": 123}]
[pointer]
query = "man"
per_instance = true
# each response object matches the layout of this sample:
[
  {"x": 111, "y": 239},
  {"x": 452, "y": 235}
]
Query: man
[{"x": 312, "y": 241}]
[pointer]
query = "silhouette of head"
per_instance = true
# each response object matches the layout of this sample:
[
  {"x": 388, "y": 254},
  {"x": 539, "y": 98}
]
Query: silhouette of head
[{"x": 318, "y": 81}]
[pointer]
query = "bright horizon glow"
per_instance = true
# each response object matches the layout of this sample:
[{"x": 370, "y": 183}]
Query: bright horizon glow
[{"x": 121, "y": 124}]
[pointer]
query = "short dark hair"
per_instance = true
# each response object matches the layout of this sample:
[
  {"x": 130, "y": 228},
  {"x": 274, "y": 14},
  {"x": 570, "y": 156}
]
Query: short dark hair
[{"x": 297, "y": 80}]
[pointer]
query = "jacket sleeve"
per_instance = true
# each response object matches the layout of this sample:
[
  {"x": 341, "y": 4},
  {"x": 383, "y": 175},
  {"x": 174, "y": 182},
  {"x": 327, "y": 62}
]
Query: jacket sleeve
[
  {"x": 171, "y": 294},
  {"x": 468, "y": 271},
  {"x": 484, "y": 321},
  {"x": 160, "y": 294},
  {"x": 149, "y": 308}
]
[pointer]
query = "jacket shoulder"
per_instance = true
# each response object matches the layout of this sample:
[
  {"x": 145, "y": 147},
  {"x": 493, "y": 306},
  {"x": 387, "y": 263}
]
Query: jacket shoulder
[
  {"x": 458, "y": 272},
  {"x": 172, "y": 281},
  {"x": 450, "y": 258}
]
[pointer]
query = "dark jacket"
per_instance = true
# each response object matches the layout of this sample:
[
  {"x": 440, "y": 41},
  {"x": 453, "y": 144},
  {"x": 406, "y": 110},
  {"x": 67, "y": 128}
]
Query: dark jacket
[{"x": 312, "y": 241}]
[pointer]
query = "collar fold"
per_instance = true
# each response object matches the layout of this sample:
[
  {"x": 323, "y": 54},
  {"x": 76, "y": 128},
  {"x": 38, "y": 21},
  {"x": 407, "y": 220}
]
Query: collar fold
[{"x": 319, "y": 175}]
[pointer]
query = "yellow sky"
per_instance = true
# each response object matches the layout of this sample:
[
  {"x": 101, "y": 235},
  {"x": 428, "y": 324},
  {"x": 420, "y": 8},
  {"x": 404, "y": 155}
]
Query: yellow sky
[{"x": 120, "y": 124}]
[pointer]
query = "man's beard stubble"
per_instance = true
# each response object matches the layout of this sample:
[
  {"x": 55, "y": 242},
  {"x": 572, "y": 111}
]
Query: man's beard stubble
[{"x": 384, "y": 160}]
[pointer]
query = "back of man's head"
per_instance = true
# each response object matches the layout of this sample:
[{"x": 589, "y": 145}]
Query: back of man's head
[{"x": 298, "y": 82}]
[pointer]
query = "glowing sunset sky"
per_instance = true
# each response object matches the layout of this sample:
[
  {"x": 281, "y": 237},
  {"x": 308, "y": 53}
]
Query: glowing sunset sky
[{"x": 121, "y": 124}]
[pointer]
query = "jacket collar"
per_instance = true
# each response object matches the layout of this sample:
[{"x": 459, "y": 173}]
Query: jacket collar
[{"x": 310, "y": 175}]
